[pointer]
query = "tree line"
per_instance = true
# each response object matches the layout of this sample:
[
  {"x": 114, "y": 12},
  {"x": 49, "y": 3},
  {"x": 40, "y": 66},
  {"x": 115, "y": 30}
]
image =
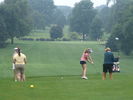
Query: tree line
[
  {"x": 121, "y": 22},
  {"x": 115, "y": 20},
  {"x": 14, "y": 20},
  {"x": 19, "y": 17}
]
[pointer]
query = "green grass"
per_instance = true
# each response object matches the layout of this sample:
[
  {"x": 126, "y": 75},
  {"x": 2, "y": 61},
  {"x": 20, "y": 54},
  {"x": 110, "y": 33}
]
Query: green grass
[
  {"x": 70, "y": 87},
  {"x": 50, "y": 58},
  {"x": 48, "y": 62}
]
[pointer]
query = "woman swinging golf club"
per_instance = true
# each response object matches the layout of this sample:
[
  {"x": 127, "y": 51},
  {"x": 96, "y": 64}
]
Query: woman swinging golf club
[{"x": 85, "y": 57}]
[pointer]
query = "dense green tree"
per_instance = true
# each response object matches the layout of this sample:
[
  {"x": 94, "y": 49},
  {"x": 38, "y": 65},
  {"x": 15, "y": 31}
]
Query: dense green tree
[
  {"x": 105, "y": 15},
  {"x": 81, "y": 17},
  {"x": 56, "y": 32},
  {"x": 59, "y": 18},
  {"x": 38, "y": 20},
  {"x": 123, "y": 20},
  {"x": 45, "y": 8},
  {"x": 3, "y": 28},
  {"x": 127, "y": 40},
  {"x": 112, "y": 42},
  {"x": 96, "y": 29},
  {"x": 46, "y": 13},
  {"x": 16, "y": 17},
  {"x": 66, "y": 10}
]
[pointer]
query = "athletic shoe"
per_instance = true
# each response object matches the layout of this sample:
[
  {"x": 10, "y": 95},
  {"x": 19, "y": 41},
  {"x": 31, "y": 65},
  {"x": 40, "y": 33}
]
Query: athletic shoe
[{"x": 84, "y": 77}]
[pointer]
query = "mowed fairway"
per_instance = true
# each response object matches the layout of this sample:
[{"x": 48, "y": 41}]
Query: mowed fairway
[{"x": 54, "y": 70}]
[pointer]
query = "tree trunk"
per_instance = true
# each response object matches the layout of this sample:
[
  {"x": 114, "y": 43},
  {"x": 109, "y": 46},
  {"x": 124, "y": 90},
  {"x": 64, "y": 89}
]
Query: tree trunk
[
  {"x": 12, "y": 40},
  {"x": 83, "y": 36}
]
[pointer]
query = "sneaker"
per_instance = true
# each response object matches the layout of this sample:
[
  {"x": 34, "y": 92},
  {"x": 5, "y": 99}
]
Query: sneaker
[{"x": 84, "y": 77}]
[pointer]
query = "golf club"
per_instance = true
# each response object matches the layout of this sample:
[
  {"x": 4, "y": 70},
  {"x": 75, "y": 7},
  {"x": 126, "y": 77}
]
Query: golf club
[{"x": 96, "y": 69}]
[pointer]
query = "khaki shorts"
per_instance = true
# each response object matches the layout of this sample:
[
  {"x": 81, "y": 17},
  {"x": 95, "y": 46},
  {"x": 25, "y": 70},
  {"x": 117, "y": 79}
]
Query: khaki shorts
[{"x": 19, "y": 68}]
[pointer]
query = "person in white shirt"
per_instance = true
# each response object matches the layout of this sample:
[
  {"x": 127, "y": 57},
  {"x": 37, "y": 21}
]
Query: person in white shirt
[{"x": 13, "y": 65}]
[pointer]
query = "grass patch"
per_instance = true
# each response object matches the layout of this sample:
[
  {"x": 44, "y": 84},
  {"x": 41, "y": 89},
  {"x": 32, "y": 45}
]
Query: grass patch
[{"x": 54, "y": 69}]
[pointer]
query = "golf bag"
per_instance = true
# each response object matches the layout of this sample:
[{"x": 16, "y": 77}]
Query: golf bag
[{"x": 116, "y": 66}]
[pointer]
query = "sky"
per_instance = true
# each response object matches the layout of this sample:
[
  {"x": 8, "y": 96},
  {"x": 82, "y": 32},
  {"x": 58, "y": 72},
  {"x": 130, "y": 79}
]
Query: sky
[{"x": 72, "y": 2}]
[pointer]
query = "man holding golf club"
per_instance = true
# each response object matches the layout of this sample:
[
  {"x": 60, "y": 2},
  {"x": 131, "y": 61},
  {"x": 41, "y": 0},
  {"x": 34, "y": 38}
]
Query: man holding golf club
[{"x": 85, "y": 57}]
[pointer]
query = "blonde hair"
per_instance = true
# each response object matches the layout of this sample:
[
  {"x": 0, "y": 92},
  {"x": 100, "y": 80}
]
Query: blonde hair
[
  {"x": 107, "y": 49},
  {"x": 87, "y": 50}
]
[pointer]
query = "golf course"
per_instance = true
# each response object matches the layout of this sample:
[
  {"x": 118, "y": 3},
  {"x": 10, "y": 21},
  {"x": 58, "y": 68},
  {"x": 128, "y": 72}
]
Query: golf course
[
  {"x": 66, "y": 49},
  {"x": 54, "y": 72}
]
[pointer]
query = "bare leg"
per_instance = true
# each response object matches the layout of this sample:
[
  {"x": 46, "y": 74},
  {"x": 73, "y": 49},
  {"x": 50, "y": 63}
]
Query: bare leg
[
  {"x": 84, "y": 69},
  {"x": 104, "y": 76},
  {"x": 23, "y": 77},
  {"x": 19, "y": 76},
  {"x": 15, "y": 76},
  {"x": 110, "y": 76}
]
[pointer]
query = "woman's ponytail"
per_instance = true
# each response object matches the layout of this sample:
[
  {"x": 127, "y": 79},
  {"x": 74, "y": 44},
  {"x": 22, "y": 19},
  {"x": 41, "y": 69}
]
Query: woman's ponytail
[{"x": 19, "y": 52}]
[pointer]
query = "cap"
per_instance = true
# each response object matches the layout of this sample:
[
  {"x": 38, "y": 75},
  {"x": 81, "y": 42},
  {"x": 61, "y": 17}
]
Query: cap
[{"x": 90, "y": 50}]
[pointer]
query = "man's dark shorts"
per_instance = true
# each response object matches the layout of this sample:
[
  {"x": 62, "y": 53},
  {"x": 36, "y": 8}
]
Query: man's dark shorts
[{"x": 107, "y": 68}]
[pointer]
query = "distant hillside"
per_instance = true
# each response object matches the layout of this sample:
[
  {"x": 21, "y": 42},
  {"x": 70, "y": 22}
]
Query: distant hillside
[{"x": 65, "y": 9}]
